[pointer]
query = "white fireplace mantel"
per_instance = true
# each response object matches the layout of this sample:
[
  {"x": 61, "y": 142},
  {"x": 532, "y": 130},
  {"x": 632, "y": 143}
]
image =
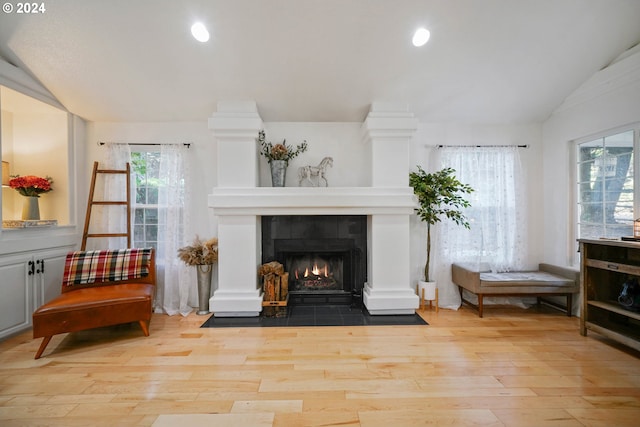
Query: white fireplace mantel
[
  {"x": 239, "y": 203},
  {"x": 313, "y": 201}
]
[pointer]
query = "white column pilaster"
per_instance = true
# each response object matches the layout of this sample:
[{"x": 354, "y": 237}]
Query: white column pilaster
[
  {"x": 388, "y": 289},
  {"x": 389, "y": 128},
  {"x": 238, "y": 293},
  {"x": 235, "y": 126}
]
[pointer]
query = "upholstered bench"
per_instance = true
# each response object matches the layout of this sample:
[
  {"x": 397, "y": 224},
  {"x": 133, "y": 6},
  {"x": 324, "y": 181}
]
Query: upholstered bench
[
  {"x": 547, "y": 280},
  {"x": 99, "y": 288}
]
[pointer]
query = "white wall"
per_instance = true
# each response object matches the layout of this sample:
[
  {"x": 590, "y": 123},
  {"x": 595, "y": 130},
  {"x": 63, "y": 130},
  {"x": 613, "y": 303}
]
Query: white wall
[
  {"x": 608, "y": 100},
  {"x": 40, "y": 147},
  {"x": 341, "y": 141}
]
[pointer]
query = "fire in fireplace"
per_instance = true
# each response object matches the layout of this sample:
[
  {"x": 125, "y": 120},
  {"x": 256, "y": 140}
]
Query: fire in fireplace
[{"x": 313, "y": 272}]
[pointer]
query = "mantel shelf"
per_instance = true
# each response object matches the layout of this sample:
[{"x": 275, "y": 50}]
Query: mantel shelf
[{"x": 313, "y": 201}]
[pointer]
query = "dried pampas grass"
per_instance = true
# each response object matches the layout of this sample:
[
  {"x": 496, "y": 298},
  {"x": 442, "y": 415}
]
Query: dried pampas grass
[{"x": 200, "y": 253}]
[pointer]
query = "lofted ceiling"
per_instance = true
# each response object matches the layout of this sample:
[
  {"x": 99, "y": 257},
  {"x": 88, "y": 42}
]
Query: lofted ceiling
[{"x": 488, "y": 61}]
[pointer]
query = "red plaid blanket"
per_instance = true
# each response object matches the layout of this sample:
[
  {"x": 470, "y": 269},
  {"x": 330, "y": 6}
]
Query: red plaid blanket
[{"x": 85, "y": 267}]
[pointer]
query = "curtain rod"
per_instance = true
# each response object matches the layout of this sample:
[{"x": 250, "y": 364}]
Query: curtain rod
[
  {"x": 482, "y": 146},
  {"x": 186, "y": 144}
]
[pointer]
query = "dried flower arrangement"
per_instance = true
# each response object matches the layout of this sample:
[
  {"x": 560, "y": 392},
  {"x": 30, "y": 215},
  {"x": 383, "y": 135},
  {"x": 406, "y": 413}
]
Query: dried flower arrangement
[
  {"x": 31, "y": 186},
  {"x": 280, "y": 151},
  {"x": 200, "y": 253}
]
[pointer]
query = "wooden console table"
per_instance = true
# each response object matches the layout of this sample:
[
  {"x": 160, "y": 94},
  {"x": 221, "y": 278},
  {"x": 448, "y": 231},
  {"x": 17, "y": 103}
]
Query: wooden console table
[{"x": 605, "y": 266}]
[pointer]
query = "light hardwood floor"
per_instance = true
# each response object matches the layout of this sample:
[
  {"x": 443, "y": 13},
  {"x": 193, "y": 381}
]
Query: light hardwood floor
[{"x": 514, "y": 367}]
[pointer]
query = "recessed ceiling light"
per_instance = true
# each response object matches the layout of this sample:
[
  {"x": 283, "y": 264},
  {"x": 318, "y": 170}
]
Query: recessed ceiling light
[
  {"x": 200, "y": 32},
  {"x": 421, "y": 37}
]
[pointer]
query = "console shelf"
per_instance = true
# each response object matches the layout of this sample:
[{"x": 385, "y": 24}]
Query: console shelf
[{"x": 605, "y": 266}]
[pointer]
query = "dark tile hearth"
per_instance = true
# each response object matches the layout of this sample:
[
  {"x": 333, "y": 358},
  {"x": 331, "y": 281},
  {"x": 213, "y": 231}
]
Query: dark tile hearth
[{"x": 317, "y": 315}]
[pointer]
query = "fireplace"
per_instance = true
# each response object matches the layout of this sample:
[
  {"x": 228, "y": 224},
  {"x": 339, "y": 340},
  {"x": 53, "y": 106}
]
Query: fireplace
[
  {"x": 325, "y": 255},
  {"x": 369, "y": 182}
]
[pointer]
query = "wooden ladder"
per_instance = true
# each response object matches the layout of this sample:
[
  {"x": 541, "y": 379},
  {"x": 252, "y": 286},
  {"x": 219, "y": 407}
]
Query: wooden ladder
[{"x": 91, "y": 203}]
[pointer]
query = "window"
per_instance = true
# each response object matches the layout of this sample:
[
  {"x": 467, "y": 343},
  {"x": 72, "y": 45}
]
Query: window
[
  {"x": 161, "y": 176},
  {"x": 145, "y": 166},
  {"x": 497, "y": 210},
  {"x": 605, "y": 186}
]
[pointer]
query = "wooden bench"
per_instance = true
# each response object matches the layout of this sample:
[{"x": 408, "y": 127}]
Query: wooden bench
[
  {"x": 99, "y": 288},
  {"x": 547, "y": 280}
]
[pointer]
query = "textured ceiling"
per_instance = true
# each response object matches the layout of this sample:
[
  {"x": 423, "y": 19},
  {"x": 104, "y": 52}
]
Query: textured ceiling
[{"x": 488, "y": 61}]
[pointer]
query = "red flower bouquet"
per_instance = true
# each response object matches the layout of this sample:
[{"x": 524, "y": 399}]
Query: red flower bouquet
[{"x": 31, "y": 186}]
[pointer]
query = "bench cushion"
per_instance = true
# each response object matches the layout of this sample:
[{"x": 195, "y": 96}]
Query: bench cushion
[{"x": 524, "y": 279}]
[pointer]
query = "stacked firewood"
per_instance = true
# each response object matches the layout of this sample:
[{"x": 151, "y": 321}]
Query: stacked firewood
[{"x": 275, "y": 286}]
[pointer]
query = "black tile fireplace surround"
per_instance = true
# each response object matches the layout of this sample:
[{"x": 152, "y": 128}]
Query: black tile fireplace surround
[{"x": 336, "y": 240}]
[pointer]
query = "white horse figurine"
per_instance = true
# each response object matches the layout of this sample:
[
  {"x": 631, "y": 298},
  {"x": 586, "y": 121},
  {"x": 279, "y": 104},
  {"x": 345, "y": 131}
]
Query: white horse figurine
[{"x": 306, "y": 172}]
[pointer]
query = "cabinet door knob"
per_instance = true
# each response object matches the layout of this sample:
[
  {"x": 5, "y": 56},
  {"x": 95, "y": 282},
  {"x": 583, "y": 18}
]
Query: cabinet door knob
[
  {"x": 40, "y": 266},
  {"x": 31, "y": 268}
]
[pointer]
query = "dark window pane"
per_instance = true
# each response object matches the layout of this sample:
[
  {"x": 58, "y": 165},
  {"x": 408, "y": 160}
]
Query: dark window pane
[
  {"x": 139, "y": 216},
  {"x": 152, "y": 196},
  {"x": 151, "y": 215},
  {"x": 141, "y": 195},
  {"x": 138, "y": 233},
  {"x": 151, "y": 232}
]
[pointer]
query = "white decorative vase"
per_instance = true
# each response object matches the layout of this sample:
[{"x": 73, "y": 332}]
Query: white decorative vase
[
  {"x": 427, "y": 291},
  {"x": 204, "y": 274},
  {"x": 278, "y": 172},
  {"x": 30, "y": 208}
]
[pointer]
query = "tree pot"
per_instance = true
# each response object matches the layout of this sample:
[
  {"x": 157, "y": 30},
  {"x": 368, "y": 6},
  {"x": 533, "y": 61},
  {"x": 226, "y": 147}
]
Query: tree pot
[{"x": 427, "y": 291}]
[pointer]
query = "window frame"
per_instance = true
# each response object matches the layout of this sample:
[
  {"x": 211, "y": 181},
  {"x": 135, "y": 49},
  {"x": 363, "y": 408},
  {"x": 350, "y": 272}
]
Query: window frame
[{"x": 575, "y": 199}]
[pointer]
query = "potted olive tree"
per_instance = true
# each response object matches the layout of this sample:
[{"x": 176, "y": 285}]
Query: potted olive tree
[{"x": 440, "y": 195}]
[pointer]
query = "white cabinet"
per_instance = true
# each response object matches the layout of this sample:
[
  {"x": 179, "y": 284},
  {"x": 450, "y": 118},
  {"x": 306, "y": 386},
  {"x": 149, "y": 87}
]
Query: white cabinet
[
  {"x": 17, "y": 294},
  {"x": 47, "y": 275},
  {"x": 27, "y": 281}
]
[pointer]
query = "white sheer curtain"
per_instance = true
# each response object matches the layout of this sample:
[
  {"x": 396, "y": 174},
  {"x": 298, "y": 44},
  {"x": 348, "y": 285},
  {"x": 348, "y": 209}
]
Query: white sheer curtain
[
  {"x": 497, "y": 216},
  {"x": 176, "y": 287},
  {"x": 176, "y": 281},
  {"x": 111, "y": 187}
]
